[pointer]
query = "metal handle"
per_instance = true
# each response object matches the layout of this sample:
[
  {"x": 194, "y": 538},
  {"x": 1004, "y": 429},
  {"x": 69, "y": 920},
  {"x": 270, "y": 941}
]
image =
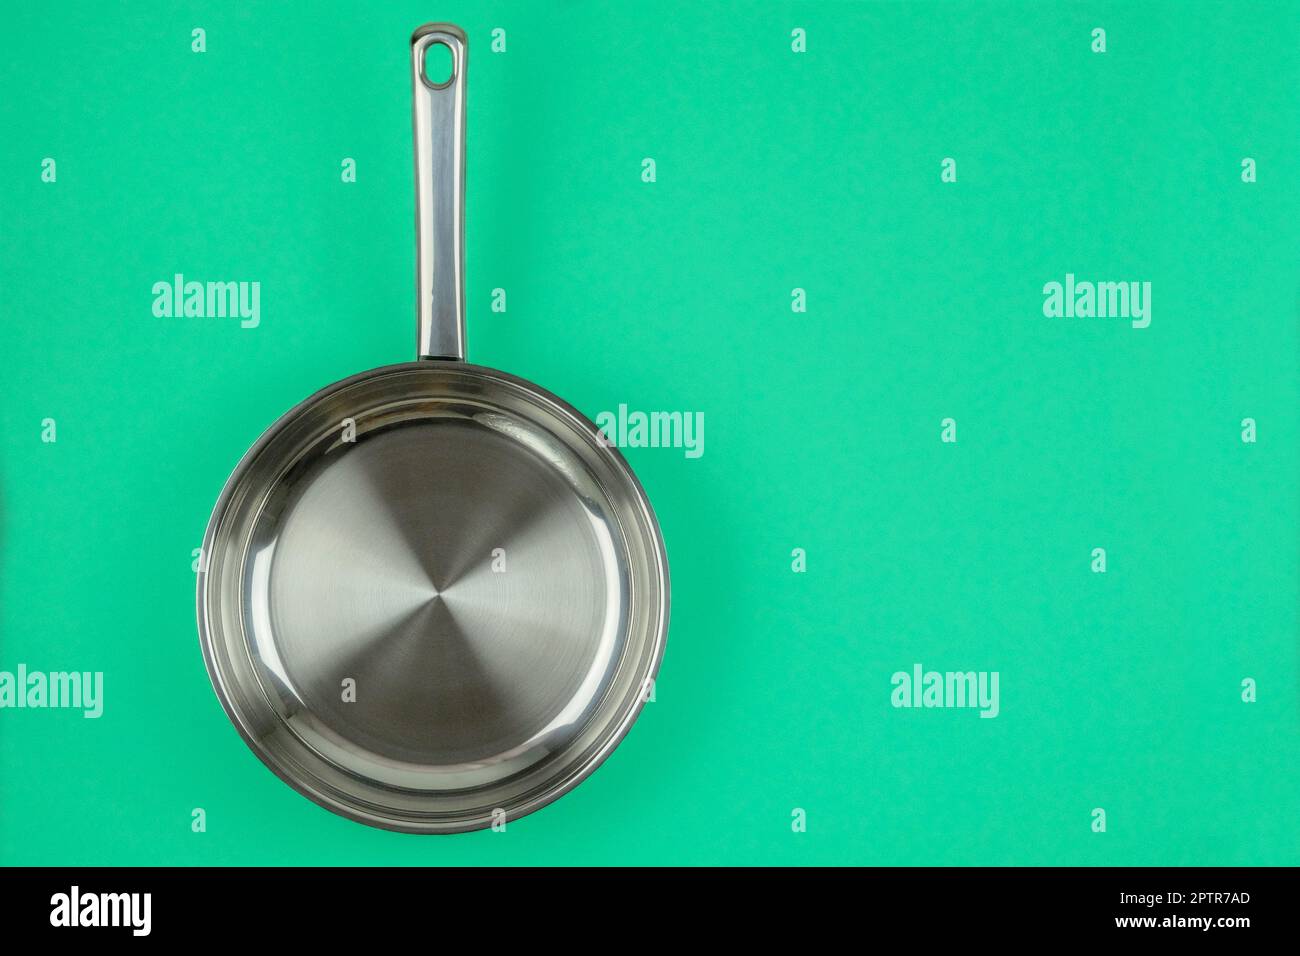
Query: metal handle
[{"x": 439, "y": 115}]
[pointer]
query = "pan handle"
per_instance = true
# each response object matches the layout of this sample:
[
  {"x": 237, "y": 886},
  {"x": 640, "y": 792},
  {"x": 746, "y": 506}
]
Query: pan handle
[{"x": 439, "y": 120}]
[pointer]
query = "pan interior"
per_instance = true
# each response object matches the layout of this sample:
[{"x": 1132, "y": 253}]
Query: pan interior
[
  {"x": 439, "y": 603},
  {"x": 439, "y": 596}
]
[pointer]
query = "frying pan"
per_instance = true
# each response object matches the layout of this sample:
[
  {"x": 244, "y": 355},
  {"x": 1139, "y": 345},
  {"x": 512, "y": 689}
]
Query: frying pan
[{"x": 433, "y": 596}]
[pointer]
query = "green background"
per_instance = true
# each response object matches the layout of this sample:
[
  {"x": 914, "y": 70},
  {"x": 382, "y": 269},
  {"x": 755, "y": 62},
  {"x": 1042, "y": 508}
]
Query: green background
[{"x": 775, "y": 170}]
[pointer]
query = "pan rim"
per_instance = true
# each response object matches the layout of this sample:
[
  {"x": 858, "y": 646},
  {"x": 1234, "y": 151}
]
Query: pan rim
[{"x": 607, "y": 738}]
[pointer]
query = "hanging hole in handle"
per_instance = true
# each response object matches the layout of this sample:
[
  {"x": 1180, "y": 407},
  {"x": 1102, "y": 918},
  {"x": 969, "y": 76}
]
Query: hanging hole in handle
[{"x": 439, "y": 64}]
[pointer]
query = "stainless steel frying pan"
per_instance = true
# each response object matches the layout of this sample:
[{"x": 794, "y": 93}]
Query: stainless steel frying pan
[{"x": 432, "y": 597}]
